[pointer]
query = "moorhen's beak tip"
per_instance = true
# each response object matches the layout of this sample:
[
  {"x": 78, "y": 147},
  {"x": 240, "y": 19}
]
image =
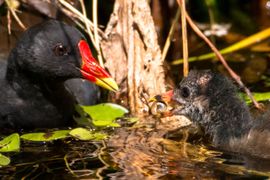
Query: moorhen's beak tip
[
  {"x": 107, "y": 83},
  {"x": 92, "y": 71}
]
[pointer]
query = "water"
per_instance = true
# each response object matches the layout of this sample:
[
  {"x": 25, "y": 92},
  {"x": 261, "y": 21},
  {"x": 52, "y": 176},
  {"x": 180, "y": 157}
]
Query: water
[
  {"x": 152, "y": 149},
  {"x": 144, "y": 152}
]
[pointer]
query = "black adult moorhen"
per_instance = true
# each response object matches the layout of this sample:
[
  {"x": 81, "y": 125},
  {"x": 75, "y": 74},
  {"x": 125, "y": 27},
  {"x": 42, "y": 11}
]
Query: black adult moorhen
[
  {"x": 32, "y": 92},
  {"x": 211, "y": 101}
]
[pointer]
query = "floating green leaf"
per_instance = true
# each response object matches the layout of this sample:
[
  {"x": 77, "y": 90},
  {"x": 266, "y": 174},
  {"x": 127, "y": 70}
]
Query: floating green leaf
[
  {"x": 105, "y": 114},
  {"x": 84, "y": 134},
  {"x": 4, "y": 160},
  {"x": 49, "y": 136},
  {"x": 10, "y": 143},
  {"x": 258, "y": 96}
]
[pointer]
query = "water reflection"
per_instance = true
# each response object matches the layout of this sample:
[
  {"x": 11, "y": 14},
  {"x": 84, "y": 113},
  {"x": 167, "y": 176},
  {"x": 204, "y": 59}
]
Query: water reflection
[
  {"x": 145, "y": 152},
  {"x": 66, "y": 159}
]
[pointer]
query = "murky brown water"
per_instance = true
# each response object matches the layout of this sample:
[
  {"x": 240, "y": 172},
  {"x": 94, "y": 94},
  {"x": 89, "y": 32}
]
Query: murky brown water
[
  {"x": 58, "y": 160},
  {"x": 144, "y": 152},
  {"x": 151, "y": 149}
]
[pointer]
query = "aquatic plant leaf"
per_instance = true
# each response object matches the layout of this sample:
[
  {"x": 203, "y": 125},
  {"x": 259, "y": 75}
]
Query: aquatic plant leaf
[
  {"x": 105, "y": 123},
  {"x": 255, "y": 38},
  {"x": 85, "y": 134},
  {"x": 82, "y": 120},
  {"x": 10, "y": 143},
  {"x": 264, "y": 96},
  {"x": 48, "y": 136},
  {"x": 4, "y": 160},
  {"x": 105, "y": 114}
]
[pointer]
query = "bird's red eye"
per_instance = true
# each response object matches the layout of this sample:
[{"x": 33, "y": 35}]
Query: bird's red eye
[{"x": 60, "y": 50}]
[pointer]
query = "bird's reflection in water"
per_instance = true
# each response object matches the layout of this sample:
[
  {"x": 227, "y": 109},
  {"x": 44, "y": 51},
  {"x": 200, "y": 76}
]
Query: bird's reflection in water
[{"x": 144, "y": 152}]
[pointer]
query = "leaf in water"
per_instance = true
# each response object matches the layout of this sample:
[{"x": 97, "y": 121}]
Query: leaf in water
[
  {"x": 49, "y": 136},
  {"x": 4, "y": 160},
  {"x": 84, "y": 134},
  {"x": 10, "y": 143},
  {"x": 258, "y": 96},
  {"x": 104, "y": 114},
  {"x": 82, "y": 120}
]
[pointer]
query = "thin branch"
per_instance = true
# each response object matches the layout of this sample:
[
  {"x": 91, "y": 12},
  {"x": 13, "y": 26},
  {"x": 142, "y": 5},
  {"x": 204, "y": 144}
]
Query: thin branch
[
  {"x": 12, "y": 6},
  {"x": 81, "y": 17},
  {"x": 171, "y": 32},
  {"x": 9, "y": 22},
  {"x": 74, "y": 18},
  {"x": 84, "y": 19},
  {"x": 182, "y": 5},
  {"x": 87, "y": 23},
  {"x": 17, "y": 19},
  {"x": 75, "y": 11},
  {"x": 95, "y": 21}
]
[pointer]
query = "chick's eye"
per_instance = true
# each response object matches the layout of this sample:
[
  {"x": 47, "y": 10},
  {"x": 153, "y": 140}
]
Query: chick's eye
[
  {"x": 60, "y": 50},
  {"x": 185, "y": 92}
]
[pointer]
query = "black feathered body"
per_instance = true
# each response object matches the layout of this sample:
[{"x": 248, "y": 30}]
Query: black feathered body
[{"x": 35, "y": 105}]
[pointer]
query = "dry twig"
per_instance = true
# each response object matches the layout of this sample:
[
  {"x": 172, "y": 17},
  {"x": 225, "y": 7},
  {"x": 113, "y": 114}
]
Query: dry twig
[
  {"x": 170, "y": 35},
  {"x": 69, "y": 9},
  {"x": 12, "y": 7},
  {"x": 96, "y": 36},
  {"x": 184, "y": 35}
]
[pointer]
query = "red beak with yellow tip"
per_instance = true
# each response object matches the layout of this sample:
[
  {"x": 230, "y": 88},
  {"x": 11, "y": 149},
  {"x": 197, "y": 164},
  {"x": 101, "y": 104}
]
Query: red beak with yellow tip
[{"x": 92, "y": 71}]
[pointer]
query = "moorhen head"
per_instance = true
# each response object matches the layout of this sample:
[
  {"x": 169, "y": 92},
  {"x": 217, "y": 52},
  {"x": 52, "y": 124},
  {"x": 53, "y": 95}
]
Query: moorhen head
[
  {"x": 210, "y": 100},
  {"x": 33, "y": 92}
]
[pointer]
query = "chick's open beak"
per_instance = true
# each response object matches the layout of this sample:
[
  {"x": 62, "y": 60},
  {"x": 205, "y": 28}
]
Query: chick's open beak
[{"x": 92, "y": 71}]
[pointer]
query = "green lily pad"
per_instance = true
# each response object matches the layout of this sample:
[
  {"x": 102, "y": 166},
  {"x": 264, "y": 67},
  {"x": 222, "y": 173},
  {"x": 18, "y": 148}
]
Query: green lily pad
[
  {"x": 10, "y": 143},
  {"x": 49, "y": 136},
  {"x": 4, "y": 160},
  {"x": 105, "y": 114},
  {"x": 84, "y": 134}
]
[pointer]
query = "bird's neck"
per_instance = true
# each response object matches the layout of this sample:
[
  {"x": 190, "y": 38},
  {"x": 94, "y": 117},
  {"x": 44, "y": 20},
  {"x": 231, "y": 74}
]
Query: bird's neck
[{"x": 231, "y": 119}]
